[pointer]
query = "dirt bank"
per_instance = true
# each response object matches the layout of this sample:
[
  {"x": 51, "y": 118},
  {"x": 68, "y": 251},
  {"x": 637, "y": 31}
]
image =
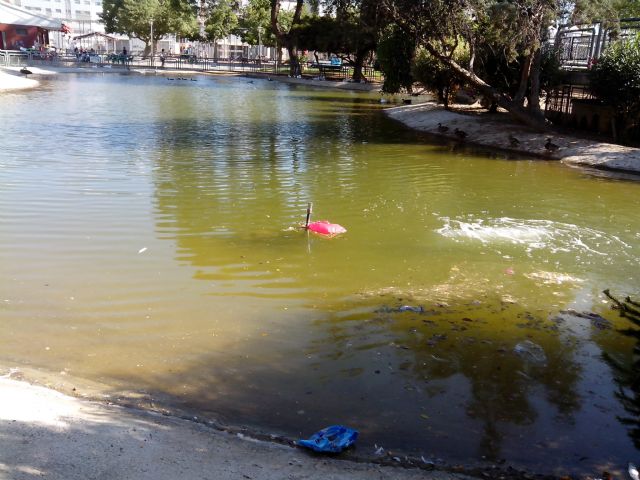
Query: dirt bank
[
  {"x": 46, "y": 433},
  {"x": 497, "y": 131}
]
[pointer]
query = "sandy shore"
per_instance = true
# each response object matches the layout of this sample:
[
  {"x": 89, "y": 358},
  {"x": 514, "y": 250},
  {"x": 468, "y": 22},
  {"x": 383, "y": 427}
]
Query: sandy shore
[
  {"x": 10, "y": 80},
  {"x": 44, "y": 433},
  {"x": 493, "y": 130}
]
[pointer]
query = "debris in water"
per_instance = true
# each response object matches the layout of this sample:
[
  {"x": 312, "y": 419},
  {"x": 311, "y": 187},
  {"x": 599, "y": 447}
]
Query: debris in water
[
  {"x": 633, "y": 472},
  {"x": 142, "y": 250},
  {"x": 437, "y": 359},
  {"x": 332, "y": 439},
  {"x": 530, "y": 351},
  {"x": 409, "y": 308},
  {"x": 597, "y": 321}
]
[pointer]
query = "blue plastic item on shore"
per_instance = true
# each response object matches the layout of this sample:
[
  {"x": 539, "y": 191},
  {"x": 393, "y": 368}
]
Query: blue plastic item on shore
[{"x": 332, "y": 439}]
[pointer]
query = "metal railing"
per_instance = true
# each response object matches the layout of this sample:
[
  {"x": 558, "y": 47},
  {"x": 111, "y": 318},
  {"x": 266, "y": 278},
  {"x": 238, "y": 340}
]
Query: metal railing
[
  {"x": 560, "y": 100},
  {"x": 13, "y": 58},
  {"x": 9, "y": 58},
  {"x": 580, "y": 45}
]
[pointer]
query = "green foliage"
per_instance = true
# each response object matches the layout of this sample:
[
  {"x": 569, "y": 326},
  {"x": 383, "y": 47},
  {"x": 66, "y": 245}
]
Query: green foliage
[
  {"x": 436, "y": 76},
  {"x": 606, "y": 11},
  {"x": 255, "y": 23},
  {"x": 615, "y": 79},
  {"x": 134, "y": 17},
  {"x": 395, "y": 55},
  {"x": 324, "y": 34},
  {"x": 551, "y": 75},
  {"x": 221, "y": 19}
]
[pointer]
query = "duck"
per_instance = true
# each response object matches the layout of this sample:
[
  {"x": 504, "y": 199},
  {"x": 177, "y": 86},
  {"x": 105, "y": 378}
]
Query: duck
[
  {"x": 460, "y": 133},
  {"x": 550, "y": 147},
  {"x": 193, "y": 79},
  {"x": 170, "y": 78},
  {"x": 513, "y": 141},
  {"x": 442, "y": 128},
  {"x": 26, "y": 71}
]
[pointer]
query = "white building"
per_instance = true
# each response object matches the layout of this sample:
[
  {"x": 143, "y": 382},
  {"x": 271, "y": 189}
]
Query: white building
[
  {"x": 83, "y": 17},
  {"x": 80, "y": 15}
]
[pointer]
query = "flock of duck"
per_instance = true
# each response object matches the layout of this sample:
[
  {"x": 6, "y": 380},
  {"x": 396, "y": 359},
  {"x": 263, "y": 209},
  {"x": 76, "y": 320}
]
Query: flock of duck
[
  {"x": 182, "y": 78},
  {"x": 513, "y": 141}
]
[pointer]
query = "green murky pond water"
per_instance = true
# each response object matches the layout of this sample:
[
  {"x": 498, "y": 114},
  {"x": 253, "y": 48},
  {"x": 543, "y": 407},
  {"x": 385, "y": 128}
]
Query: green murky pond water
[{"x": 149, "y": 241}]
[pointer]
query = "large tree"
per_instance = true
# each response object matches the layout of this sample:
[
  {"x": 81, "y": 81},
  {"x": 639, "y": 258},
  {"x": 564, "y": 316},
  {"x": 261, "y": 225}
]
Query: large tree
[
  {"x": 285, "y": 30},
  {"x": 516, "y": 28},
  {"x": 255, "y": 23},
  {"x": 358, "y": 26},
  {"x": 219, "y": 17},
  {"x": 135, "y": 17}
]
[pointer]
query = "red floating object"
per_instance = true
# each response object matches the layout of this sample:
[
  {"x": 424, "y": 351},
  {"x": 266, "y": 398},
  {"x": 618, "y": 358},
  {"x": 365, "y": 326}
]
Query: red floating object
[{"x": 323, "y": 227}]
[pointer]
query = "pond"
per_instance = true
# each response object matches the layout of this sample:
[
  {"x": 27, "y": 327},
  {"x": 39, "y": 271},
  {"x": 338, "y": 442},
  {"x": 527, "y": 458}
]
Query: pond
[{"x": 150, "y": 243}]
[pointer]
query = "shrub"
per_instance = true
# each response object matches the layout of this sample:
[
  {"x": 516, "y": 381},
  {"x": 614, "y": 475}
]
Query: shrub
[
  {"x": 438, "y": 77},
  {"x": 395, "y": 53},
  {"x": 615, "y": 79}
]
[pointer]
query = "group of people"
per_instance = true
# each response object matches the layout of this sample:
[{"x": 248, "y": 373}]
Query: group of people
[
  {"x": 82, "y": 55},
  {"x": 85, "y": 56}
]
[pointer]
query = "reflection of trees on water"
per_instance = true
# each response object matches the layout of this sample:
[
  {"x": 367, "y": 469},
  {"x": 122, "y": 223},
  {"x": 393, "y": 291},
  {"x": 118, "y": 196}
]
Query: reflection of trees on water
[
  {"x": 232, "y": 182},
  {"x": 627, "y": 370}
]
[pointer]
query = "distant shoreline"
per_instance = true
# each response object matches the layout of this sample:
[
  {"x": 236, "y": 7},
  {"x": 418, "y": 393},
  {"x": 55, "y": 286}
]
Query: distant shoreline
[{"x": 11, "y": 79}]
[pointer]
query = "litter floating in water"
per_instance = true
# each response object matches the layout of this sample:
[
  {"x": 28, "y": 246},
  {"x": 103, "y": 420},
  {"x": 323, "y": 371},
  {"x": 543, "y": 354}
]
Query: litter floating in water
[
  {"x": 409, "y": 308},
  {"x": 332, "y": 439},
  {"x": 530, "y": 351},
  {"x": 323, "y": 227},
  {"x": 633, "y": 472}
]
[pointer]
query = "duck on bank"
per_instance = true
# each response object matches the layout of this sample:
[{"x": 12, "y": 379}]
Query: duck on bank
[{"x": 499, "y": 131}]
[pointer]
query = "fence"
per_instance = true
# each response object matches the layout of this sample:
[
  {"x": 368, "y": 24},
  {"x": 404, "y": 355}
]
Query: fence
[
  {"x": 12, "y": 58},
  {"x": 580, "y": 45},
  {"x": 560, "y": 100}
]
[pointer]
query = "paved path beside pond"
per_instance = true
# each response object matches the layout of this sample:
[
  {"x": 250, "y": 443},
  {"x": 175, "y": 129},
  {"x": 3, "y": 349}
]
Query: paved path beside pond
[
  {"x": 44, "y": 433},
  {"x": 494, "y": 130}
]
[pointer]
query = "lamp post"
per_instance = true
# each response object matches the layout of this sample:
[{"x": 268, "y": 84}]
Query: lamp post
[{"x": 151, "y": 24}]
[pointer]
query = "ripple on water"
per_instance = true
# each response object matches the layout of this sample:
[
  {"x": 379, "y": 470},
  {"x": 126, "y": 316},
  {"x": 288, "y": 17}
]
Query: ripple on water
[{"x": 539, "y": 235}]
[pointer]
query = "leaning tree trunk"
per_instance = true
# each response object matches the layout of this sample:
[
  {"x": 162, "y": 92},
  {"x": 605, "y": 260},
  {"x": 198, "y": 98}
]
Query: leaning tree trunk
[{"x": 515, "y": 110}]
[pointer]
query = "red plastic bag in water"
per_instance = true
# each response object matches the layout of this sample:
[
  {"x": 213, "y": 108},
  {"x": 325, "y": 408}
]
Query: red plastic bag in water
[{"x": 323, "y": 227}]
